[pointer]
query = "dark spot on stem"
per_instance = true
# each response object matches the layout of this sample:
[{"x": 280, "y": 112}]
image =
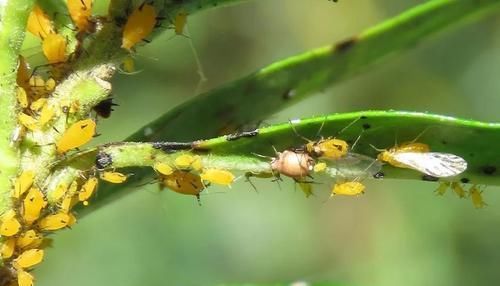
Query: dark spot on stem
[
  {"x": 489, "y": 170},
  {"x": 345, "y": 45},
  {"x": 366, "y": 126},
  {"x": 171, "y": 147},
  {"x": 103, "y": 160},
  {"x": 444, "y": 142},
  {"x": 465, "y": 180},
  {"x": 429, "y": 178},
  {"x": 236, "y": 136},
  {"x": 379, "y": 175},
  {"x": 364, "y": 117}
]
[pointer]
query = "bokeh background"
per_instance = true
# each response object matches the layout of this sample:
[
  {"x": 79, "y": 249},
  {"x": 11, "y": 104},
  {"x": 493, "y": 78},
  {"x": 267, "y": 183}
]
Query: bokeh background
[{"x": 398, "y": 233}]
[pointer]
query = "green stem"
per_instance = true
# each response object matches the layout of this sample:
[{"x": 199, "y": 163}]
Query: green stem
[{"x": 13, "y": 17}]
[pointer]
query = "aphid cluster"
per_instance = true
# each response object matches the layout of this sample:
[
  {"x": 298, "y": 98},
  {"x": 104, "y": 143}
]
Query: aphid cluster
[
  {"x": 186, "y": 175},
  {"x": 475, "y": 193},
  {"x": 333, "y": 156}
]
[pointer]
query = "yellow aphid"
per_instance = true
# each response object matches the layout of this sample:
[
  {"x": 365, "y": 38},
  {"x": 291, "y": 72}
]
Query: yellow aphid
[
  {"x": 46, "y": 115},
  {"x": 38, "y": 104},
  {"x": 180, "y": 22},
  {"x": 87, "y": 190},
  {"x": 36, "y": 81},
  {"x": 319, "y": 167},
  {"x": 348, "y": 189},
  {"x": 197, "y": 164},
  {"x": 113, "y": 177},
  {"x": 29, "y": 258},
  {"x": 139, "y": 25},
  {"x": 417, "y": 156},
  {"x": 28, "y": 121},
  {"x": 59, "y": 192},
  {"x": 50, "y": 84},
  {"x": 33, "y": 205},
  {"x": 163, "y": 168},
  {"x": 76, "y": 135},
  {"x": 54, "y": 48},
  {"x": 80, "y": 12},
  {"x": 215, "y": 176},
  {"x": 10, "y": 225},
  {"x": 184, "y": 161},
  {"x": 22, "y": 97},
  {"x": 330, "y": 148},
  {"x": 73, "y": 187},
  {"x": 54, "y": 222},
  {"x": 306, "y": 188},
  {"x": 29, "y": 239},
  {"x": 39, "y": 23},
  {"x": 72, "y": 219},
  {"x": 476, "y": 196},
  {"x": 128, "y": 65},
  {"x": 24, "y": 278},
  {"x": 458, "y": 189},
  {"x": 66, "y": 204},
  {"x": 8, "y": 247},
  {"x": 443, "y": 187},
  {"x": 23, "y": 183},
  {"x": 415, "y": 147},
  {"x": 183, "y": 183}
]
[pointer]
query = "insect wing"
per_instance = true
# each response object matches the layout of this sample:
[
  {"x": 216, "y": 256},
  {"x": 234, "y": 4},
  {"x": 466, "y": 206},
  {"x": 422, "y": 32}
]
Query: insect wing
[
  {"x": 353, "y": 165},
  {"x": 433, "y": 163}
]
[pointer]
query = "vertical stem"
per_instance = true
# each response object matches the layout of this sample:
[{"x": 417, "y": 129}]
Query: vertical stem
[{"x": 13, "y": 18}]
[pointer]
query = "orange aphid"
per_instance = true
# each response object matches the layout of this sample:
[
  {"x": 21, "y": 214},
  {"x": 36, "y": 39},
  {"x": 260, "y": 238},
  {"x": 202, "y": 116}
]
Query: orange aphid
[
  {"x": 29, "y": 258},
  {"x": 180, "y": 22},
  {"x": 8, "y": 247},
  {"x": 39, "y": 23},
  {"x": 183, "y": 183},
  {"x": 54, "y": 222},
  {"x": 10, "y": 224},
  {"x": 80, "y": 12},
  {"x": 24, "y": 278},
  {"x": 88, "y": 188},
  {"x": 139, "y": 25},
  {"x": 113, "y": 177},
  {"x": 54, "y": 48},
  {"x": 33, "y": 205},
  {"x": 76, "y": 135},
  {"x": 29, "y": 239},
  {"x": 23, "y": 183}
]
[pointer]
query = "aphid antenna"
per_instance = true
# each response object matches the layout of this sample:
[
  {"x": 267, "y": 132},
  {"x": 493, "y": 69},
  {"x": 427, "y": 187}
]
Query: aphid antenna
[
  {"x": 297, "y": 133},
  {"x": 357, "y": 140},
  {"x": 377, "y": 149},
  {"x": 348, "y": 126},
  {"x": 421, "y": 133}
]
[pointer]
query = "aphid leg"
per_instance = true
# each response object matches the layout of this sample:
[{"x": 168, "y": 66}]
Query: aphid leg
[
  {"x": 200, "y": 70},
  {"x": 348, "y": 125}
]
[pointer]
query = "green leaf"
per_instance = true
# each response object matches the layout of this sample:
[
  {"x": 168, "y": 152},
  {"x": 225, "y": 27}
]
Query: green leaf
[
  {"x": 286, "y": 82},
  {"x": 247, "y": 152}
]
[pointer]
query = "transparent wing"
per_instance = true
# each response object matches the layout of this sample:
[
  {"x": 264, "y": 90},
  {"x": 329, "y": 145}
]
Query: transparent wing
[
  {"x": 433, "y": 163},
  {"x": 353, "y": 166}
]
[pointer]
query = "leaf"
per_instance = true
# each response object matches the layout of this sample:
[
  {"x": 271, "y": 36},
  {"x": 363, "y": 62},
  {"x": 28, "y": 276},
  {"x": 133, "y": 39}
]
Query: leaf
[
  {"x": 246, "y": 151},
  {"x": 286, "y": 82}
]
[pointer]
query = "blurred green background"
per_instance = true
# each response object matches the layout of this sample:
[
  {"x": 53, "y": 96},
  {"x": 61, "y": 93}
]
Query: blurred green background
[{"x": 398, "y": 233}]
